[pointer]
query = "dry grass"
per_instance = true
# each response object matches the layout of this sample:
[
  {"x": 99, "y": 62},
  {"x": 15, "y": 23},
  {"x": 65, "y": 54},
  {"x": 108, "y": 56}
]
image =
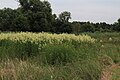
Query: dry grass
[
  {"x": 107, "y": 73},
  {"x": 8, "y": 70}
]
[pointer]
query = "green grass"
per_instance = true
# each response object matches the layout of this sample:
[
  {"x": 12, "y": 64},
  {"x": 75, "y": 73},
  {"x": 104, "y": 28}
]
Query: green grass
[{"x": 66, "y": 61}]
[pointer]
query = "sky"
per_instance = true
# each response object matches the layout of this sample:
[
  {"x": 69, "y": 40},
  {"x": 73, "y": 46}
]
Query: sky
[{"x": 81, "y": 10}]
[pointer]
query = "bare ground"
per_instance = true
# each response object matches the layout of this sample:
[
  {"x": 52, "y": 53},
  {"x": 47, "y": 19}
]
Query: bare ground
[{"x": 107, "y": 72}]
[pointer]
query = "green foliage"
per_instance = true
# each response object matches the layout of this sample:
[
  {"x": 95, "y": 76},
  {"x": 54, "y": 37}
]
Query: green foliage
[
  {"x": 59, "y": 54},
  {"x": 62, "y": 24},
  {"x": 117, "y": 26},
  {"x": 38, "y": 13},
  {"x": 21, "y": 23},
  {"x": 87, "y": 28},
  {"x": 65, "y": 16},
  {"x": 88, "y": 69},
  {"x": 6, "y": 19},
  {"x": 76, "y": 27},
  {"x": 36, "y": 16},
  {"x": 33, "y": 15},
  {"x": 79, "y": 61},
  {"x": 119, "y": 20},
  {"x": 10, "y": 49}
]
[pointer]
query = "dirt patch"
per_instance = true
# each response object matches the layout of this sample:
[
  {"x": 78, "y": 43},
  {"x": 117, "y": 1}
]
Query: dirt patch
[{"x": 107, "y": 72}]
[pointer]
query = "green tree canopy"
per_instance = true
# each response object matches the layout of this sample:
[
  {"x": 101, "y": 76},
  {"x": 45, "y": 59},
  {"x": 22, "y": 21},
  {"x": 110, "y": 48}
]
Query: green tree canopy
[
  {"x": 38, "y": 13},
  {"x": 65, "y": 16}
]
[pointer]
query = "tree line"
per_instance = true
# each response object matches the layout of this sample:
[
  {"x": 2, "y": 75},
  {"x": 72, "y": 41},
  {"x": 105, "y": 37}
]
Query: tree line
[{"x": 36, "y": 16}]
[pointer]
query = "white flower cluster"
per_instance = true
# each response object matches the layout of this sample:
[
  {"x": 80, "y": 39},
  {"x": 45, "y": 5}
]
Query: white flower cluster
[{"x": 46, "y": 37}]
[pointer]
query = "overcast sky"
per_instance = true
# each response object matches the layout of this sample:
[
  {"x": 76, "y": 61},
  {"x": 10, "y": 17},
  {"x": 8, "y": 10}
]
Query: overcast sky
[{"x": 81, "y": 10}]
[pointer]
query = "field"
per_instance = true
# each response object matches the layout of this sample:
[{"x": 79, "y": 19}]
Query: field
[{"x": 46, "y": 56}]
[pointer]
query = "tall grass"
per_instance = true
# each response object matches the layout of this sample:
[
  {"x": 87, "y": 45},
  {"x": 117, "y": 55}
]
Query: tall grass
[
  {"x": 27, "y": 44},
  {"x": 44, "y": 56}
]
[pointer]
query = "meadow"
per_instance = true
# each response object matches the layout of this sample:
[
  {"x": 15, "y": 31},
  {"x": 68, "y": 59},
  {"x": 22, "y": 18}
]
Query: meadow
[{"x": 47, "y": 56}]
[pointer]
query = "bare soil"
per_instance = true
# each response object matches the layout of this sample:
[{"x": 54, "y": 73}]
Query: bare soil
[{"x": 107, "y": 72}]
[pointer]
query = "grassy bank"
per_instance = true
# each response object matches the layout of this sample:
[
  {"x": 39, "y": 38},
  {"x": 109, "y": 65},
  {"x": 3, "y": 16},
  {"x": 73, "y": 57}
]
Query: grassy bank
[{"x": 44, "y": 56}]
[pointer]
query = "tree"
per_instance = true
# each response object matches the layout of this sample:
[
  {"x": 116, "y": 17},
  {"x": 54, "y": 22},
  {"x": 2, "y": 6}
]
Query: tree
[
  {"x": 62, "y": 24},
  {"x": 32, "y": 15},
  {"x": 25, "y": 4},
  {"x": 76, "y": 27},
  {"x": 65, "y": 16},
  {"x": 21, "y": 22},
  {"x": 119, "y": 21},
  {"x": 116, "y": 25},
  {"x": 38, "y": 13},
  {"x": 87, "y": 28},
  {"x": 6, "y": 19}
]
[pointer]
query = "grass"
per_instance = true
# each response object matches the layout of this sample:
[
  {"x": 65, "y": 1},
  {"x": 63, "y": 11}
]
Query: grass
[
  {"x": 43, "y": 56},
  {"x": 116, "y": 74}
]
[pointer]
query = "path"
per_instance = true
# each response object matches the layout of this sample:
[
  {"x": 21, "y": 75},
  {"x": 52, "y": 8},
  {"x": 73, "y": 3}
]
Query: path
[{"x": 107, "y": 73}]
